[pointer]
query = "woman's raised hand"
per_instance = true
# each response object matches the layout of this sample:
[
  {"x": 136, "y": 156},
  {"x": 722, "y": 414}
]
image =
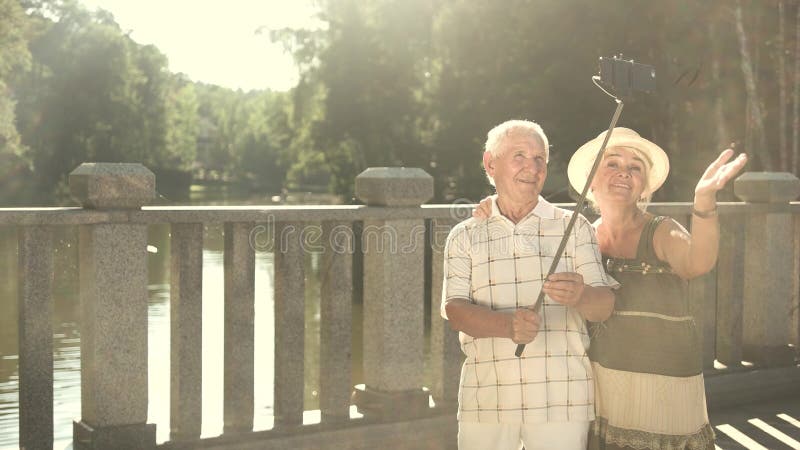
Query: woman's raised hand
[
  {"x": 484, "y": 209},
  {"x": 719, "y": 173}
]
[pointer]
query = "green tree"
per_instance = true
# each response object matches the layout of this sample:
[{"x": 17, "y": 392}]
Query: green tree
[
  {"x": 370, "y": 62},
  {"x": 366, "y": 100},
  {"x": 218, "y": 111},
  {"x": 263, "y": 134},
  {"x": 14, "y": 57},
  {"x": 182, "y": 125},
  {"x": 244, "y": 136},
  {"x": 413, "y": 83},
  {"x": 93, "y": 94}
]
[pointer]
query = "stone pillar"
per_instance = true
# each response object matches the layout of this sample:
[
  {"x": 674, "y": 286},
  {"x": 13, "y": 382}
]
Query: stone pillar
[
  {"x": 394, "y": 262},
  {"x": 768, "y": 266},
  {"x": 113, "y": 291}
]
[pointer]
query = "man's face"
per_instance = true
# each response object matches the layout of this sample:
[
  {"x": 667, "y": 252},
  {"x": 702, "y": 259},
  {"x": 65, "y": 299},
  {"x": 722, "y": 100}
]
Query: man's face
[{"x": 520, "y": 169}]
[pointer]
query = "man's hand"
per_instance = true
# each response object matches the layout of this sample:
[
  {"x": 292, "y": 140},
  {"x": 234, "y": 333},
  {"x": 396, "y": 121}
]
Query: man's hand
[
  {"x": 524, "y": 326},
  {"x": 565, "y": 288}
]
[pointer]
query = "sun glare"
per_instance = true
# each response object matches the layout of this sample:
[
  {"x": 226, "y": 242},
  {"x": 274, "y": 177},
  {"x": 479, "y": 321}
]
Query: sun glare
[{"x": 217, "y": 42}]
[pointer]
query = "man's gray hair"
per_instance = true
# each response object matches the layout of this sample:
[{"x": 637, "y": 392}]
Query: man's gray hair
[{"x": 514, "y": 127}]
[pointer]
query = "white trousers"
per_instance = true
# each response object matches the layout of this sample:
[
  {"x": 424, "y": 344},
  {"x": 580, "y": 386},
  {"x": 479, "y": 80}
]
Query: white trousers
[{"x": 538, "y": 436}]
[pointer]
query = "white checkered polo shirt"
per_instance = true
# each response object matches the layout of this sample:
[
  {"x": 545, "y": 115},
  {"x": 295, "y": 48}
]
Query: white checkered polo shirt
[{"x": 498, "y": 264}]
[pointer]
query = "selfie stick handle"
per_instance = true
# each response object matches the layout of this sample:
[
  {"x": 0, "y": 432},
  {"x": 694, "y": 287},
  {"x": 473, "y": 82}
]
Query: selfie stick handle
[{"x": 578, "y": 207}]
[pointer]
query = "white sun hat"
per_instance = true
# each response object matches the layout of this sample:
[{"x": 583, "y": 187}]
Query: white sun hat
[{"x": 656, "y": 159}]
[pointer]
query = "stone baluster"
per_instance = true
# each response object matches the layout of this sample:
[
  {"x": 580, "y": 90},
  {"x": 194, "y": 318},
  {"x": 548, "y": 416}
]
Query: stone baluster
[
  {"x": 239, "y": 262},
  {"x": 730, "y": 290},
  {"x": 289, "y": 324},
  {"x": 35, "y": 271},
  {"x": 768, "y": 263},
  {"x": 796, "y": 284},
  {"x": 186, "y": 332},
  {"x": 703, "y": 306},
  {"x": 446, "y": 355},
  {"x": 336, "y": 322},
  {"x": 113, "y": 292},
  {"x": 394, "y": 262}
]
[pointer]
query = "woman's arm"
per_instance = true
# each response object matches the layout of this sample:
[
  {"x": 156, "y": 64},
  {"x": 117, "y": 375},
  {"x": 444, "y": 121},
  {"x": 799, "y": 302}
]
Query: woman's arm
[{"x": 695, "y": 254}]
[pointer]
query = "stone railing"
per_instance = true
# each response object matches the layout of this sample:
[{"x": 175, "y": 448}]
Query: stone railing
[{"x": 747, "y": 309}]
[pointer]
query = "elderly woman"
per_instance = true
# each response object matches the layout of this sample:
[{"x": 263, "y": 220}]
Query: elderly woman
[{"x": 646, "y": 357}]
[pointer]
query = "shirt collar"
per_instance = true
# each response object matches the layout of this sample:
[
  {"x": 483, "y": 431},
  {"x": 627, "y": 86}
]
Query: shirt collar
[{"x": 543, "y": 209}]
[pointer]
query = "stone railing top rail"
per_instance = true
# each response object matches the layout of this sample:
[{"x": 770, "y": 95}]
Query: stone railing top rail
[{"x": 307, "y": 213}]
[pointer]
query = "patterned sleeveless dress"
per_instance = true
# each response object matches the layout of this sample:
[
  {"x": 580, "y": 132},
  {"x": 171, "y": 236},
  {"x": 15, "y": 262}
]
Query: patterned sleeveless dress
[{"x": 647, "y": 362}]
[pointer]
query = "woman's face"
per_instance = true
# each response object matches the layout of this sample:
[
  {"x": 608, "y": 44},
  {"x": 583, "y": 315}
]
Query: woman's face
[{"x": 621, "y": 177}]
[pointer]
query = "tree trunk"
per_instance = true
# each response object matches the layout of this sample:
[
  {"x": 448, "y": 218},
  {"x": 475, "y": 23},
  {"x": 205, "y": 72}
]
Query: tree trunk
[
  {"x": 753, "y": 100},
  {"x": 783, "y": 150},
  {"x": 723, "y": 138}
]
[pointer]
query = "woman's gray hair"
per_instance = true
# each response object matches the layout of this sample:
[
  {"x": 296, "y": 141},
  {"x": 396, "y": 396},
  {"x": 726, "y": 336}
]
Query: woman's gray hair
[{"x": 514, "y": 127}]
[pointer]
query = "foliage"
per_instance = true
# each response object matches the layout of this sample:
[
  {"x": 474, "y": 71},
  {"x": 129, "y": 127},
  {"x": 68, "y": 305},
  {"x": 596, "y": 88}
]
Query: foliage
[
  {"x": 93, "y": 94},
  {"x": 428, "y": 99},
  {"x": 401, "y": 83},
  {"x": 244, "y": 137},
  {"x": 14, "y": 56},
  {"x": 367, "y": 63}
]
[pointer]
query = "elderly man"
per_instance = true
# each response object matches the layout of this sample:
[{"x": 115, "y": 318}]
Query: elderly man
[{"x": 494, "y": 270}]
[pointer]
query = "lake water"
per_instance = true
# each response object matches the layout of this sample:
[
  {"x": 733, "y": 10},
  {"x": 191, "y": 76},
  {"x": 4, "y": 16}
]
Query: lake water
[{"x": 66, "y": 329}]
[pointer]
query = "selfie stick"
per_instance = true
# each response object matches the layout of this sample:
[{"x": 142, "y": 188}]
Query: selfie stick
[{"x": 578, "y": 206}]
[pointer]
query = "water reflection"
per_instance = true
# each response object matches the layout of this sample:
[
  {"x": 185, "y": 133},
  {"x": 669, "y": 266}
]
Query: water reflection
[{"x": 66, "y": 335}]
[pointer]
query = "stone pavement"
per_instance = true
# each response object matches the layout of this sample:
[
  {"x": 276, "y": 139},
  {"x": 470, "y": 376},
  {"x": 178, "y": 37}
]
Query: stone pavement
[
  {"x": 764, "y": 425},
  {"x": 739, "y": 427}
]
